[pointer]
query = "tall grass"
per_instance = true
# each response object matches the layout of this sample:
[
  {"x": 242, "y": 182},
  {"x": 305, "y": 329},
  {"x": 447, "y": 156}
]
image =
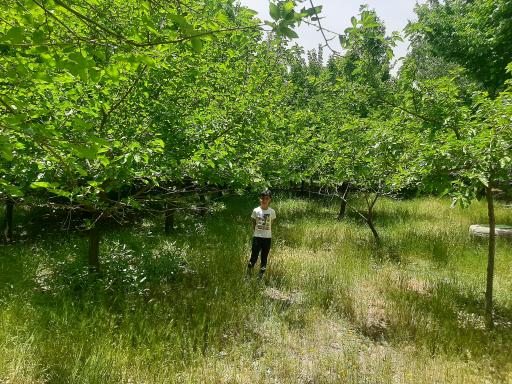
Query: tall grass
[{"x": 333, "y": 307}]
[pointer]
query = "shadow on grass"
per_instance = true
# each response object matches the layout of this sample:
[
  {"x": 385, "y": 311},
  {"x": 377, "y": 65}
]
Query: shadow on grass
[
  {"x": 150, "y": 295},
  {"x": 385, "y": 217},
  {"x": 14, "y": 270},
  {"x": 450, "y": 320},
  {"x": 188, "y": 316}
]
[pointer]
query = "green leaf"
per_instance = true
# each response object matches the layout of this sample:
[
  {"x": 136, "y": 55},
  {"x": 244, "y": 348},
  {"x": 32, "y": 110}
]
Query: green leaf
[
  {"x": 6, "y": 148},
  {"x": 80, "y": 170},
  {"x": 38, "y": 36},
  {"x": 343, "y": 41},
  {"x": 197, "y": 44},
  {"x": 371, "y": 25},
  {"x": 249, "y": 11},
  {"x": 182, "y": 23},
  {"x": 134, "y": 145},
  {"x": 483, "y": 180},
  {"x": 85, "y": 152},
  {"x": 357, "y": 71},
  {"x": 10, "y": 189},
  {"x": 275, "y": 13},
  {"x": 78, "y": 58},
  {"x": 15, "y": 35},
  {"x": 157, "y": 143},
  {"x": 148, "y": 60},
  {"x": 290, "y": 33},
  {"x": 6, "y": 154},
  {"x": 291, "y": 16},
  {"x": 42, "y": 184},
  {"x": 314, "y": 11},
  {"x": 104, "y": 160},
  {"x": 288, "y": 7},
  {"x": 95, "y": 74},
  {"x": 60, "y": 192}
]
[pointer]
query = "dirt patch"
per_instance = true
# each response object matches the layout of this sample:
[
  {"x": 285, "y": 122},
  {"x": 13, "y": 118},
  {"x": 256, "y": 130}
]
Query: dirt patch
[{"x": 288, "y": 298}]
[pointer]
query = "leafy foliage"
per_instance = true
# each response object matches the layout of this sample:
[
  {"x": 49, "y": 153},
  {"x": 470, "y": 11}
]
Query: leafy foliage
[{"x": 474, "y": 34}]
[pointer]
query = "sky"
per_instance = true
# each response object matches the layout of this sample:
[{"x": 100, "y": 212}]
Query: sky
[{"x": 337, "y": 13}]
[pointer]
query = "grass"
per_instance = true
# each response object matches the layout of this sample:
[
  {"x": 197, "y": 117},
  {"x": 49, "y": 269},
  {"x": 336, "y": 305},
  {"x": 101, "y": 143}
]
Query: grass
[{"x": 333, "y": 307}]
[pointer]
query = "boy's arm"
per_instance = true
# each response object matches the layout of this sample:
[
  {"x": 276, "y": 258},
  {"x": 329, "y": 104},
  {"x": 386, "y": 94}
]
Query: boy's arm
[{"x": 253, "y": 223}]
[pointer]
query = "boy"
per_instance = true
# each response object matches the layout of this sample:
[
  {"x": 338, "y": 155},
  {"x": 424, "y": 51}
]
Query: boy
[{"x": 262, "y": 218}]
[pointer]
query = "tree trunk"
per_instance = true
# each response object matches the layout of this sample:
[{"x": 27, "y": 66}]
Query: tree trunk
[
  {"x": 490, "y": 255},
  {"x": 302, "y": 188},
  {"x": 344, "y": 194},
  {"x": 9, "y": 213},
  {"x": 94, "y": 249},
  {"x": 369, "y": 221},
  {"x": 369, "y": 218},
  {"x": 203, "y": 206},
  {"x": 169, "y": 220}
]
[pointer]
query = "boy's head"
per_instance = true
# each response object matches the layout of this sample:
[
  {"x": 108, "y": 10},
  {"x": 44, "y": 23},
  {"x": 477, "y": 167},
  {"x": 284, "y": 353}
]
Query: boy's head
[{"x": 265, "y": 198}]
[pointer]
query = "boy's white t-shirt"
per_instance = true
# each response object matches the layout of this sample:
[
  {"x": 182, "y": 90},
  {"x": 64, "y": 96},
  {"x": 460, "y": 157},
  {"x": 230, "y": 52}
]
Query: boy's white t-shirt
[{"x": 263, "y": 227}]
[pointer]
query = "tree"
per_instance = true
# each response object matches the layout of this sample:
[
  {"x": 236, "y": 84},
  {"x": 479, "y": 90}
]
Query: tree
[
  {"x": 80, "y": 83},
  {"x": 474, "y": 35},
  {"x": 363, "y": 145}
]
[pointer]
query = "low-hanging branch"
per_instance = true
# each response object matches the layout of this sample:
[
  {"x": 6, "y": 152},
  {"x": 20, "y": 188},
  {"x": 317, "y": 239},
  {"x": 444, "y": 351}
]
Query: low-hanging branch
[
  {"x": 108, "y": 43},
  {"x": 88, "y": 21}
]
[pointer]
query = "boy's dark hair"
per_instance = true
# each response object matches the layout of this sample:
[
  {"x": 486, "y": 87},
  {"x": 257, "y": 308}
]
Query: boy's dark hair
[{"x": 266, "y": 193}]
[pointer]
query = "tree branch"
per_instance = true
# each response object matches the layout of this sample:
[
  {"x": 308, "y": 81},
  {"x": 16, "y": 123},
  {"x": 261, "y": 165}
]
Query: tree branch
[
  {"x": 47, "y": 12},
  {"x": 322, "y": 30},
  {"x": 6, "y": 105},
  {"x": 107, "y": 114},
  {"x": 88, "y": 20}
]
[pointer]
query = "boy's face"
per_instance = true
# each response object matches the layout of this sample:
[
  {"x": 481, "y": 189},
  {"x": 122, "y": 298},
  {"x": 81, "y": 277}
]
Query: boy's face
[{"x": 265, "y": 201}]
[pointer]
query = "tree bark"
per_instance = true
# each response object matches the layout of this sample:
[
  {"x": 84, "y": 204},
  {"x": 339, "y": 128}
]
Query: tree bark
[
  {"x": 169, "y": 220},
  {"x": 302, "y": 188},
  {"x": 344, "y": 194},
  {"x": 369, "y": 221},
  {"x": 369, "y": 218},
  {"x": 94, "y": 249},
  {"x": 203, "y": 206},
  {"x": 9, "y": 213},
  {"x": 490, "y": 255}
]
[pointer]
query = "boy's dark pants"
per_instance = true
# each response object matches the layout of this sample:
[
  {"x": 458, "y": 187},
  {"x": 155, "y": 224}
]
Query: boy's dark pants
[{"x": 260, "y": 244}]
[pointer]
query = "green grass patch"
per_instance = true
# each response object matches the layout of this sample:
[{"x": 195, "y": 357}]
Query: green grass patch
[{"x": 334, "y": 307}]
